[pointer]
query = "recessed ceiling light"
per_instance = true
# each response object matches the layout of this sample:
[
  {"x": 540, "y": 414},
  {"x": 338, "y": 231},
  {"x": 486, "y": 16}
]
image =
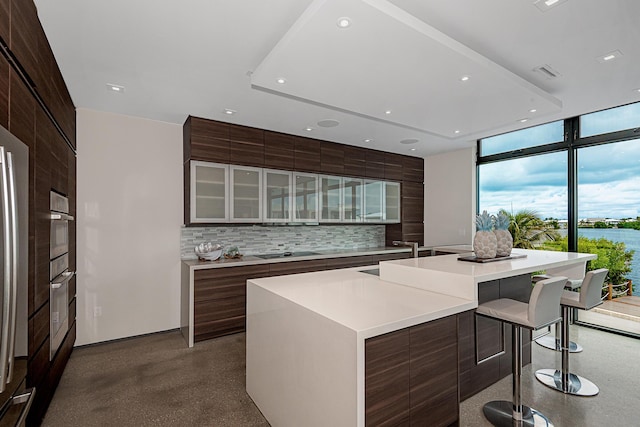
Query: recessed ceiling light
[
  {"x": 638, "y": 90},
  {"x": 465, "y": 78},
  {"x": 229, "y": 112},
  {"x": 608, "y": 57},
  {"x": 281, "y": 80},
  {"x": 115, "y": 88},
  {"x": 413, "y": 149},
  {"x": 524, "y": 120},
  {"x": 308, "y": 129},
  {"x": 545, "y": 5},
  {"x": 409, "y": 141},
  {"x": 388, "y": 112},
  {"x": 367, "y": 140},
  {"x": 329, "y": 123},
  {"x": 343, "y": 22},
  {"x": 456, "y": 132},
  {"x": 533, "y": 110}
]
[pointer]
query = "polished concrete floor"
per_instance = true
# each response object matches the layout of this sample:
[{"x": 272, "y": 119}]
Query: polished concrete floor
[{"x": 156, "y": 380}]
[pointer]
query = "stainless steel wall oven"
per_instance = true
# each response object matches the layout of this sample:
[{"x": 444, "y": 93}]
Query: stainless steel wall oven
[{"x": 59, "y": 274}]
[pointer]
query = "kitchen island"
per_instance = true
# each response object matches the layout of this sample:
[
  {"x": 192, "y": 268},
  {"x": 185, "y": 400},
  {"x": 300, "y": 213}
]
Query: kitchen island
[{"x": 346, "y": 348}]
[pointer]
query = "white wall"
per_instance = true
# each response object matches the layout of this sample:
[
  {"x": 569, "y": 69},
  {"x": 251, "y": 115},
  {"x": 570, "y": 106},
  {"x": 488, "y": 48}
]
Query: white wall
[
  {"x": 128, "y": 226},
  {"x": 450, "y": 198}
]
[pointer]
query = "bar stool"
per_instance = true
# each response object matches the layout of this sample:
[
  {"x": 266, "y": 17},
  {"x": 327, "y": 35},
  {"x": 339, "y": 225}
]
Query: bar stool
[
  {"x": 542, "y": 310},
  {"x": 588, "y": 297},
  {"x": 553, "y": 343}
]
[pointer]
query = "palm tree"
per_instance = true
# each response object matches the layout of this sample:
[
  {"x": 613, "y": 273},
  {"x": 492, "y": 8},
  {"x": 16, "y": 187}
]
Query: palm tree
[{"x": 528, "y": 229}]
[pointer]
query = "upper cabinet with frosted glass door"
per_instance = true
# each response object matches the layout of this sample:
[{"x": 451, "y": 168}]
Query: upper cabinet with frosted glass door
[
  {"x": 373, "y": 201},
  {"x": 381, "y": 201},
  {"x": 276, "y": 195},
  {"x": 245, "y": 194},
  {"x": 209, "y": 192},
  {"x": 392, "y": 202},
  {"x": 330, "y": 198},
  {"x": 352, "y": 199},
  {"x": 305, "y": 197}
]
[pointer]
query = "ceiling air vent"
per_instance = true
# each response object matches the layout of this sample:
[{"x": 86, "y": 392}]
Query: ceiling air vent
[{"x": 547, "y": 71}]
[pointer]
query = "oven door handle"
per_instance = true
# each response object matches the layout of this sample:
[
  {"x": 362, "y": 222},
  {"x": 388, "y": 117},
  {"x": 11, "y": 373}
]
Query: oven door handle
[
  {"x": 25, "y": 398},
  {"x": 56, "y": 216},
  {"x": 66, "y": 276}
]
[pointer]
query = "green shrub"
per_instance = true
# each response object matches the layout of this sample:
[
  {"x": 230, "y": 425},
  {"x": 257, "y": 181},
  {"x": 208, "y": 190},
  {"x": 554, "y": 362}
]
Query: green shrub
[{"x": 613, "y": 256}]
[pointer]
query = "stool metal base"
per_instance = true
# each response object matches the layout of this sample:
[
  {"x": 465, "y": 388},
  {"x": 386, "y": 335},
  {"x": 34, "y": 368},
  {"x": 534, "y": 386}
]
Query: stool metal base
[
  {"x": 576, "y": 385},
  {"x": 553, "y": 343},
  {"x": 500, "y": 414}
]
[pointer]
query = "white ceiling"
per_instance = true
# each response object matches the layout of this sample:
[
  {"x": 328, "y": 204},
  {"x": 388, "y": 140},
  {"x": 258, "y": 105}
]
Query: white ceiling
[{"x": 200, "y": 57}]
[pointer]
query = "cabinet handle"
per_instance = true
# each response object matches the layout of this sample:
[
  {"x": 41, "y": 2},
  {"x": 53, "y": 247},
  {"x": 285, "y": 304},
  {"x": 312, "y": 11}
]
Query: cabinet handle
[
  {"x": 66, "y": 276},
  {"x": 55, "y": 216}
]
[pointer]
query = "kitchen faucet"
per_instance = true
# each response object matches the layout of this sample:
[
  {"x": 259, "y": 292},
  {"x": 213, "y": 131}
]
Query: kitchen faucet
[{"x": 412, "y": 245}]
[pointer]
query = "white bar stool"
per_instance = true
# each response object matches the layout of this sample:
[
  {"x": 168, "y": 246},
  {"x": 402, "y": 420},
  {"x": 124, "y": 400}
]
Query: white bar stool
[
  {"x": 553, "y": 343},
  {"x": 542, "y": 310},
  {"x": 588, "y": 297}
]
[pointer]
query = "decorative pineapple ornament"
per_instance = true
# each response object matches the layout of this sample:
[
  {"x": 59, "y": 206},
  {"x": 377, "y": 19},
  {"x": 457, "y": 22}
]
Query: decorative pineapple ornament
[
  {"x": 503, "y": 237},
  {"x": 484, "y": 242}
]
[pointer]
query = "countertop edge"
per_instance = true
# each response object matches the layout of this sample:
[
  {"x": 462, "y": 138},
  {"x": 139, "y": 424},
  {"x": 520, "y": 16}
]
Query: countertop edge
[{"x": 321, "y": 254}]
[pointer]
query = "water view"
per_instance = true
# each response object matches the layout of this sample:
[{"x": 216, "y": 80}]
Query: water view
[{"x": 631, "y": 239}]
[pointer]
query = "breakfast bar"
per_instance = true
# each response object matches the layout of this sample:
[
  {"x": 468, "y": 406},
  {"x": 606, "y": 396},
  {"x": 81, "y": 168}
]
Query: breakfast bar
[{"x": 347, "y": 348}]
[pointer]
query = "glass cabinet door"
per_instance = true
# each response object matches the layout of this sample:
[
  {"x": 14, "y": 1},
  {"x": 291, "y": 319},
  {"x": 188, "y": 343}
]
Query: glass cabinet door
[
  {"x": 305, "y": 201},
  {"x": 277, "y": 196},
  {"x": 392, "y": 202},
  {"x": 352, "y": 200},
  {"x": 373, "y": 201},
  {"x": 209, "y": 191},
  {"x": 246, "y": 194},
  {"x": 330, "y": 198}
]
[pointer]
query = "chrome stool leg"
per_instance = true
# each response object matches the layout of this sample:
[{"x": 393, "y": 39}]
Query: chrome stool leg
[
  {"x": 553, "y": 343},
  {"x": 502, "y": 413},
  {"x": 563, "y": 380}
]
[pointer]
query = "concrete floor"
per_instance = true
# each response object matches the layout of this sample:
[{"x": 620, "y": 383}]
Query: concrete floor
[{"x": 156, "y": 380}]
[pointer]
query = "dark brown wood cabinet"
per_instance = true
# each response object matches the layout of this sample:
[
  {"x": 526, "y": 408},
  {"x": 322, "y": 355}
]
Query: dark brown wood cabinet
[
  {"x": 306, "y": 157},
  {"x": 347, "y": 262},
  {"x": 354, "y": 161},
  {"x": 485, "y": 350},
  {"x": 387, "y": 379},
  {"x": 332, "y": 158},
  {"x": 36, "y": 107},
  {"x": 412, "y": 169},
  {"x": 5, "y": 13},
  {"x": 246, "y": 146},
  {"x": 206, "y": 140},
  {"x": 4, "y": 92},
  {"x": 295, "y": 267},
  {"x": 374, "y": 164},
  {"x": 412, "y": 207},
  {"x": 220, "y": 299},
  {"x": 393, "y": 166},
  {"x": 24, "y": 30},
  {"x": 278, "y": 150},
  {"x": 411, "y": 376}
]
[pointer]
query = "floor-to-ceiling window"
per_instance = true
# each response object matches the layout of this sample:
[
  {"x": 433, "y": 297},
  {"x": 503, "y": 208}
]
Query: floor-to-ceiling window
[{"x": 581, "y": 178}]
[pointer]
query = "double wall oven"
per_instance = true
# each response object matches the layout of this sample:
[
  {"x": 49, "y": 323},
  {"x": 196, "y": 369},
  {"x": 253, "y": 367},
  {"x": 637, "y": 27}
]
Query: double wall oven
[{"x": 59, "y": 274}]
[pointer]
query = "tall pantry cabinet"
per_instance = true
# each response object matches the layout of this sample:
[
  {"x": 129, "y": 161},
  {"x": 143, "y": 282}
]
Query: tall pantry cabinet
[{"x": 35, "y": 106}]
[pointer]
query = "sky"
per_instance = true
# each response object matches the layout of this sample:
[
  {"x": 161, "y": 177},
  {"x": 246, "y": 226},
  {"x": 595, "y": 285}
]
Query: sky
[{"x": 608, "y": 175}]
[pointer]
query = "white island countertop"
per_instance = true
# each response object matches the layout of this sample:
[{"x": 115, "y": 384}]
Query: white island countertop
[
  {"x": 448, "y": 275},
  {"x": 362, "y": 302}
]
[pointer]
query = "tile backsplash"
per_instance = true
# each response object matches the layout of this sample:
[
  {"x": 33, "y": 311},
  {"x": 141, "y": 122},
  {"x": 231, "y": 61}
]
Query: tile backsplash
[{"x": 259, "y": 239}]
